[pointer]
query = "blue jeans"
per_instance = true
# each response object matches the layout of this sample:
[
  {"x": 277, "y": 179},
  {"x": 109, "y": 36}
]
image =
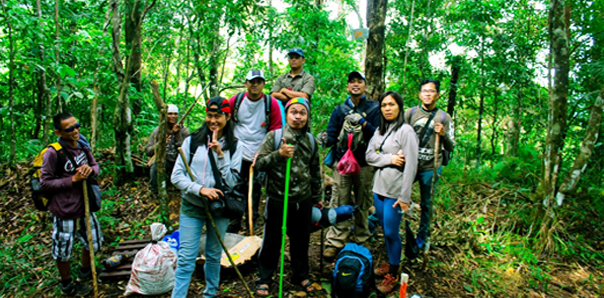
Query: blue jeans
[
  {"x": 190, "y": 232},
  {"x": 425, "y": 189},
  {"x": 390, "y": 220}
]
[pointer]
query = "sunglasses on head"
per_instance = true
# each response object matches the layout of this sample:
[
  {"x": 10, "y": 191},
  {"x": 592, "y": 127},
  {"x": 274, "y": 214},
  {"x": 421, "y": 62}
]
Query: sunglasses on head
[{"x": 72, "y": 128}]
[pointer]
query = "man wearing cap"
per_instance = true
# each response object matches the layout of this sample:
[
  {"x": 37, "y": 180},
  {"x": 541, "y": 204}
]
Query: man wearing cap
[
  {"x": 296, "y": 143},
  {"x": 356, "y": 110},
  {"x": 254, "y": 115},
  {"x": 176, "y": 135},
  {"x": 295, "y": 83}
]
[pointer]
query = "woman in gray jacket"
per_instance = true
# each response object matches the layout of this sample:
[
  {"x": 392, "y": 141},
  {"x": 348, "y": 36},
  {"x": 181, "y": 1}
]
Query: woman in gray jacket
[{"x": 393, "y": 152}]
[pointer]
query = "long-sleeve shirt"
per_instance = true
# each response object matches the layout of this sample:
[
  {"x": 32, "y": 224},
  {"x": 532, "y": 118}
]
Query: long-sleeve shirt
[
  {"x": 229, "y": 167},
  {"x": 171, "y": 147},
  {"x": 305, "y": 173},
  {"x": 336, "y": 121},
  {"x": 251, "y": 127},
  {"x": 67, "y": 199},
  {"x": 391, "y": 181},
  {"x": 418, "y": 120}
]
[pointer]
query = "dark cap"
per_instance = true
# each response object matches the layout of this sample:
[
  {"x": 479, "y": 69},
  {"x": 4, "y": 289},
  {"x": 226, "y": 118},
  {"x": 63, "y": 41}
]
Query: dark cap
[
  {"x": 296, "y": 51},
  {"x": 356, "y": 74},
  {"x": 224, "y": 107}
]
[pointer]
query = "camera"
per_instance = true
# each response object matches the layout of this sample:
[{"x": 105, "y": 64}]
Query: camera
[{"x": 216, "y": 206}]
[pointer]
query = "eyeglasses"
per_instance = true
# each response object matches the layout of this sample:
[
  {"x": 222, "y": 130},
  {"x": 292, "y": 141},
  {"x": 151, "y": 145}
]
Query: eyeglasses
[
  {"x": 72, "y": 128},
  {"x": 428, "y": 91}
]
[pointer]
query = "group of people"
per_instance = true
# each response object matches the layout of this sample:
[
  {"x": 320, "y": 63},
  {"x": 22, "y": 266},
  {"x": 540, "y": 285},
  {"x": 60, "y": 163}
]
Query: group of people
[{"x": 258, "y": 131}]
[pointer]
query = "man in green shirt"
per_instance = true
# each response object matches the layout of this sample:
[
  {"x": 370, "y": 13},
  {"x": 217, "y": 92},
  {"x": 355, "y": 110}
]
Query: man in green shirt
[{"x": 295, "y": 83}]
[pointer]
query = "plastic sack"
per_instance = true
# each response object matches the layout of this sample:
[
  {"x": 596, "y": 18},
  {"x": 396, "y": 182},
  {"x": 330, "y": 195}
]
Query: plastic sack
[
  {"x": 153, "y": 267},
  {"x": 348, "y": 164}
]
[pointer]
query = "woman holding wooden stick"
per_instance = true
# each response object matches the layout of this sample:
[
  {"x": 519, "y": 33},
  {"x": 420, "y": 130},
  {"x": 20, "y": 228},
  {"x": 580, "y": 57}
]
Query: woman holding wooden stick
[{"x": 215, "y": 137}]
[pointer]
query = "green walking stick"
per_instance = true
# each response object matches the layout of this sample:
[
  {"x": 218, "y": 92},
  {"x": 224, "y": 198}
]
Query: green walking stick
[{"x": 284, "y": 228}]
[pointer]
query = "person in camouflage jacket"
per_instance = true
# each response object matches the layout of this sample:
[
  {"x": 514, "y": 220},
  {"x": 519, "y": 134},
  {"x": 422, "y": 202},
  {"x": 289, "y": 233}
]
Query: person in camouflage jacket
[{"x": 304, "y": 191}]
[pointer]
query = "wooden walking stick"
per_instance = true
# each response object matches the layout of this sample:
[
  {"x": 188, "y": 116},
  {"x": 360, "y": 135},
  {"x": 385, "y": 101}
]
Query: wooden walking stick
[
  {"x": 432, "y": 193},
  {"x": 249, "y": 199},
  {"x": 211, "y": 219},
  {"x": 89, "y": 232}
]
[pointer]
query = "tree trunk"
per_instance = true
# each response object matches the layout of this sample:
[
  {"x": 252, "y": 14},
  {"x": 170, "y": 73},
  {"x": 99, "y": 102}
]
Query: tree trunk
[
  {"x": 214, "y": 63},
  {"x": 160, "y": 153},
  {"x": 571, "y": 182},
  {"x": 57, "y": 58},
  {"x": 133, "y": 23},
  {"x": 374, "y": 61},
  {"x": 494, "y": 124},
  {"x": 479, "y": 131},
  {"x": 38, "y": 110},
  {"x": 43, "y": 92},
  {"x": 556, "y": 129},
  {"x": 11, "y": 86},
  {"x": 455, "y": 67},
  {"x": 513, "y": 133},
  {"x": 558, "y": 95},
  {"x": 407, "y": 48},
  {"x": 94, "y": 111}
]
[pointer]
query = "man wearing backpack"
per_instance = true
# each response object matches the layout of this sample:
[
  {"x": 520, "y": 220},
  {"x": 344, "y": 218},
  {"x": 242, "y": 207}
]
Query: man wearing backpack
[
  {"x": 255, "y": 114},
  {"x": 295, "y": 83},
  {"x": 360, "y": 115},
  {"x": 428, "y": 121},
  {"x": 176, "y": 136},
  {"x": 62, "y": 174}
]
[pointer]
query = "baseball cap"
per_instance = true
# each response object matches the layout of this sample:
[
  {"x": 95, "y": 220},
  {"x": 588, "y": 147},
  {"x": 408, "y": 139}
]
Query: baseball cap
[
  {"x": 254, "y": 74},
  {"x": 172, "y": 109},
  {"x": 356, "y": 74},
  {"x": 296, "y": 51}
]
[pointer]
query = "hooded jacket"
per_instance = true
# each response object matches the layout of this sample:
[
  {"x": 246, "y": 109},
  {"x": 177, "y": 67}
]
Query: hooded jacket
[{"x": 305, "y": 173}]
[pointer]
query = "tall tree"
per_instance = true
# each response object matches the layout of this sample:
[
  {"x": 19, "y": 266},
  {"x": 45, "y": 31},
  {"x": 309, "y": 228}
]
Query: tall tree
[
  {"x": 133, "y": 28},
  {"x": 11, "y": 83},
  {"x": 43, "y": 91},
  {"x": 374, "y": 59},
  {"x": 557, "y": 114},
  {"x": 57, "y": 57}
]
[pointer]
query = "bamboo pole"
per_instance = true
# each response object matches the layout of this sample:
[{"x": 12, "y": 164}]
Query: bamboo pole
[
  {"x": 249, "y": 201},
  {"x": 211, "y": 220},
  {"x": 89, "y": 233}
]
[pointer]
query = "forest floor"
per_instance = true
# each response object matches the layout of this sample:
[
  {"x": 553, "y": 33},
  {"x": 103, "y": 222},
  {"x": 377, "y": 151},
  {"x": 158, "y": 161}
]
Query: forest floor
[{"x": 479, "y": 246}]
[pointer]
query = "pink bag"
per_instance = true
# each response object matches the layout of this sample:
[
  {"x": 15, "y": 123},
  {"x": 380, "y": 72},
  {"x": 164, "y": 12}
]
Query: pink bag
[{"x": 348, "y": 164}]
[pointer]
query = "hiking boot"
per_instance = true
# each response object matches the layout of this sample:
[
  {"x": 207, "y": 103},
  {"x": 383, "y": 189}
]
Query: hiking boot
[
  {"x": 330, "y": 252},
  {"x": 84, "y": 276},
  {"x": 388, "y": 284},
  {"x": 382, "y": 270},
  {"x": 77, "y": 289}
]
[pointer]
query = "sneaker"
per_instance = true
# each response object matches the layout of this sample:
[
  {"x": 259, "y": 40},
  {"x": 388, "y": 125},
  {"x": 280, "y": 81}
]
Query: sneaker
[
  {"x": 77, "y": 289},
  {"x": 388, "y": 284},
  {"x": 84, "y": 276},
  {"x": 382, "y": 270},
  {"x": 330, "y": 252}
]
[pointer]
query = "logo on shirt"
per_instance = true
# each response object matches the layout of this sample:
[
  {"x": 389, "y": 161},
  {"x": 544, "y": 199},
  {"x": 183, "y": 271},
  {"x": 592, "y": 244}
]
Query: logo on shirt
[{"x": 79, "y": 160}]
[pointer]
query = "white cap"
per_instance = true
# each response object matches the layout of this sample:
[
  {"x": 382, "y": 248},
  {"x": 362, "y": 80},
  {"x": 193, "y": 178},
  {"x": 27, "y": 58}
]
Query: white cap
[
  {"x": 254, "y": 74},
  {"x": 172, "y": 109}
]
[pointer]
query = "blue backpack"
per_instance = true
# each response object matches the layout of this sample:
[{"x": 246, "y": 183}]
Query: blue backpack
[{"x": 353, "y": 272}]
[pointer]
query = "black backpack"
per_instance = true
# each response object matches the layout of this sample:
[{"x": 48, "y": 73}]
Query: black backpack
[
  {"x": 267, "y": 108},
  {"x": 353, "y": 272}
]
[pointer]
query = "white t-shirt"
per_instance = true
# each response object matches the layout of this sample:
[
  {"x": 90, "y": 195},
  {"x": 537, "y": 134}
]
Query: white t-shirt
[{"x": 250, "y": 130}]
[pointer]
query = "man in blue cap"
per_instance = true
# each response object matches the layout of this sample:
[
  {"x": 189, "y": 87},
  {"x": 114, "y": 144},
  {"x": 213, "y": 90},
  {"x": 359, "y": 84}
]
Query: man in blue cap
[{"x": 295, "y": 83}]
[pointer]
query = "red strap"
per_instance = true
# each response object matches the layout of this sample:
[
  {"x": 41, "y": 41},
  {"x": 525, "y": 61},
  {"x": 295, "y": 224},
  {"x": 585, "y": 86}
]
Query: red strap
[{"x": 349, "y": 140}]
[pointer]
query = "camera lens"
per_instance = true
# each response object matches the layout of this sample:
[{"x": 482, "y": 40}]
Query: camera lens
[{"x": 217, "y": 206}]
